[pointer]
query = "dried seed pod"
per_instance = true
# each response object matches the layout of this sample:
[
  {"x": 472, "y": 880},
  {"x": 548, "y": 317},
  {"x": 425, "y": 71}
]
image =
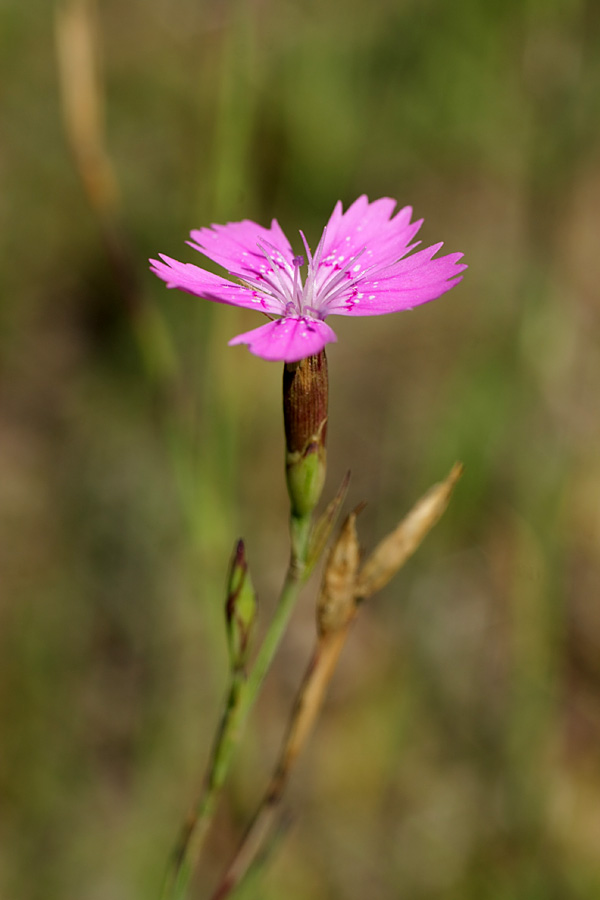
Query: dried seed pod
[
  {"x": 336, "y": 604},
  {"x": 393, "y": 551}
]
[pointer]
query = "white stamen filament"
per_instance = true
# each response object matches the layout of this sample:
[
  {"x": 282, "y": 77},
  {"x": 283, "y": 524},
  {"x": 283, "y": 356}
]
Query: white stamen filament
[
  {"x": 282, "y": 281},
  {"x": 297, "y": 288}
]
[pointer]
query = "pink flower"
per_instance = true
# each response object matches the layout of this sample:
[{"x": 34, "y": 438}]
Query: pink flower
[{"x": 360, "y": 268}]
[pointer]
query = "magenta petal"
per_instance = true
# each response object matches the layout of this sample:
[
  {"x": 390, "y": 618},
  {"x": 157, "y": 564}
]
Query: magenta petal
[
  {"x": 368, "y": 225},
  {"x": 411, "y": 281},
  {"x": 236, "y": 246},
  {"x": 287, "y": 340},
  {"x": 201, "y": 283}
]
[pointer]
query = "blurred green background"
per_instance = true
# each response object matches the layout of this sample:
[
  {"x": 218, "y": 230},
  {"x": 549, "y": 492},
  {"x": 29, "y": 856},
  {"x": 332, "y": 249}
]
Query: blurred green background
[{"x": 458, "y": 755}]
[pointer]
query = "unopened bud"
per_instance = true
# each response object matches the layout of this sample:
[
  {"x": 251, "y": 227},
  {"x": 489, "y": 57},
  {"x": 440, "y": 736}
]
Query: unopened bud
[
  {"x": 240, "y": 609},
  {"x": 337, "y": 601},
  {"x": 305, "y": 396}
]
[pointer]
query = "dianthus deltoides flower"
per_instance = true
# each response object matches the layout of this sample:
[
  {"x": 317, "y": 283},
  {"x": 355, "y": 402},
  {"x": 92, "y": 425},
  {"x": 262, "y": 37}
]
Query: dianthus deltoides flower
[{"x": 361, "y": 267}]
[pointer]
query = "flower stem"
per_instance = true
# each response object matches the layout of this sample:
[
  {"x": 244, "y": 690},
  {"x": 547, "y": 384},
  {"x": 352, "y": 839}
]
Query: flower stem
[
  {"x": 196, "y": 825},
  {"x": 299, "y": 533},
  {"x": 243, "y": 691},
  {"x": 308, "y": 704}
]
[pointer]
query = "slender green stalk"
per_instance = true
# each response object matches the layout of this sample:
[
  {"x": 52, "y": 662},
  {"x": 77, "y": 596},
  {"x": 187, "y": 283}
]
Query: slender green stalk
[
  {"x": 196, "y": 825},
  {"x": 308, "y": 704},
  {"x": 305, "y": 392},
  {"x": 242, "y": 694},
  {"x": 299, "y": 531}
]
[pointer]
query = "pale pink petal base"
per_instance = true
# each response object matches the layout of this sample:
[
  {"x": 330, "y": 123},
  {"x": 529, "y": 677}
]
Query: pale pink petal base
[{"x": 287, "y": 340}]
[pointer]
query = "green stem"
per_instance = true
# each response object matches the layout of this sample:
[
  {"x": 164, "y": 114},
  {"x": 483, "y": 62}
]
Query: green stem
[
  {"x": 196, "y": 825},
  {"x": 299, "y": 532},
  {"x": 241, "y": 697}
]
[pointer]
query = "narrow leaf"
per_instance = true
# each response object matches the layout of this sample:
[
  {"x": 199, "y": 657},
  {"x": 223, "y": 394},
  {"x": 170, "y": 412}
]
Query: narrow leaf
[{"x": 325, "y": 524}]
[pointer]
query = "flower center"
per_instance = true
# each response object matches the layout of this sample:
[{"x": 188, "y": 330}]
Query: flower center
[{"x": 327, "y": 283}]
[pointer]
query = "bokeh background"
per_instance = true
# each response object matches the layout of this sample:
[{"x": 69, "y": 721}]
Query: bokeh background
[{"x": 459, "y": 752}]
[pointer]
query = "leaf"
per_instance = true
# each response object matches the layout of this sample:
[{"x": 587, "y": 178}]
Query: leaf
[{"x": 325, "y": 525}]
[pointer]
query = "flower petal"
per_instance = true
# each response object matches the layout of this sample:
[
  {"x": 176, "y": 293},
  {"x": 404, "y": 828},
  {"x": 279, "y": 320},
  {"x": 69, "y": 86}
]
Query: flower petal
[
  {"x": 195, "y": 280},
  {"x": 287, "y": 340},
  {"x": 366, "y": 227},
  {"x": 411, "y": 281},
  {"x": 236, "y": 246}
]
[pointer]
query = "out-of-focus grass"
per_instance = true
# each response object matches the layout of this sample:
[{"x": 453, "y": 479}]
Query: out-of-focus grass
[{"x": 458, "y": 756}]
